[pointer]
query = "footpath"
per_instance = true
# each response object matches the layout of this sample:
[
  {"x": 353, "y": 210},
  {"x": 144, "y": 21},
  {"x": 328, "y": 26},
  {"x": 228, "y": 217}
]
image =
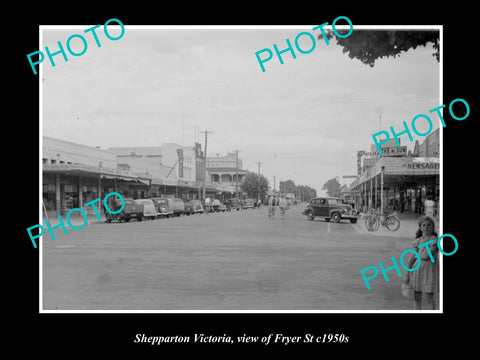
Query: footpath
[
  {"x": 76, "y": 221},
  {"x": 408, "y": 226}
]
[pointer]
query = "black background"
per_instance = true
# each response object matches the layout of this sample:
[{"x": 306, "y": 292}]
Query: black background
[{"x": 383, "y": 334}]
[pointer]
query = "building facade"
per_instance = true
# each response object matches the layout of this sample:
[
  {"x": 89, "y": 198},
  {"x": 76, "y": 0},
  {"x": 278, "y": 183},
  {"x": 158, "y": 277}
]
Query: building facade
[
  {"x": 75, "y": 174},
  {"x": 406, "y": 178}
]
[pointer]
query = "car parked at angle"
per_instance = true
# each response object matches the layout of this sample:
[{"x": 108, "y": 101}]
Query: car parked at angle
[
  {"x": 130, "y": 211},
  {"x": 249, "y": 204},
  {"x": 193, "y": 207},
  {"x": 149, "y": 210},
  {"x": 232, "y": 204},
  {"x": 217, "y": 206},
  {"x": 330, "y": 208},
  {"x": 177, "y": 205},
  {"x": 162, "y": 207}
]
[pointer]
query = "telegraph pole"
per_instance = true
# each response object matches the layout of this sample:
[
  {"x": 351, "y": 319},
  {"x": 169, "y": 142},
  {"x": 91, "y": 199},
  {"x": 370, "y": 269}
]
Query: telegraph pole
[
  {"x": 236, "y": 179},
  {"x": 205, "y": 164},
  {"x": 259, "y": 188}
]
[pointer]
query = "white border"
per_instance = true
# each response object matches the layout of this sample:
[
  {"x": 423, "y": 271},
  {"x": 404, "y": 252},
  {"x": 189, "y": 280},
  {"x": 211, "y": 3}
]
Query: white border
[{"x": 237, "y": 27}]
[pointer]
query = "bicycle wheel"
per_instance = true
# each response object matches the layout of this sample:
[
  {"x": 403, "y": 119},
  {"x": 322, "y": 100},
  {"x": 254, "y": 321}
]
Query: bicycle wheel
[
  {"x": 372, "y": 223},
  {"x": 367, "y": 220},
  {"x": 392, "y": 223}
]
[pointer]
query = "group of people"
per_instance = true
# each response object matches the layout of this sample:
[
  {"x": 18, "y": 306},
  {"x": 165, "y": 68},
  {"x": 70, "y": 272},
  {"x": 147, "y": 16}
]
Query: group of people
[{"x": 281, "y": 202}]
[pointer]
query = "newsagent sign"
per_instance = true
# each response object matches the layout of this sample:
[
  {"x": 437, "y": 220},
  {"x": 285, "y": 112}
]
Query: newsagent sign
[{"x": 423, "y": 164}]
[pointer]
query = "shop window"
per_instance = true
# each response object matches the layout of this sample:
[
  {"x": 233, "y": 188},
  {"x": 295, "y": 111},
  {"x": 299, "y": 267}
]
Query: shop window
[
  {"x": 89, "y": 193},
  {"x": 49, "y": 196}
]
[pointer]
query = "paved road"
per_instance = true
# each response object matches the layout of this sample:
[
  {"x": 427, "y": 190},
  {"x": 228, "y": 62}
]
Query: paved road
[{"x": 224, "y": 261}]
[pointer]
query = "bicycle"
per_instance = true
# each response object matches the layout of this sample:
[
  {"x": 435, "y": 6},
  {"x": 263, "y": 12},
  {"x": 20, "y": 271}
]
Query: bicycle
[
  {"x": 371, "y": 221},
  {"x": 387, "y": 219}
]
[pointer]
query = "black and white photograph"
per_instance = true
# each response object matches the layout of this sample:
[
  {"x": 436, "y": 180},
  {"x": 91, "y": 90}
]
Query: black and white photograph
[
  {"x": 258, "y": 184},
  {"x": 243, "y": 188}
]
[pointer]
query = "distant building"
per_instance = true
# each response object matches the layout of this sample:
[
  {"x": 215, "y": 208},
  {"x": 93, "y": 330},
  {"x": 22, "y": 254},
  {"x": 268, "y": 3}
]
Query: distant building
[
  {"x": 160, "y": 160},
  {"x": 430, "y": 147},
  {"x": 75, "y": 174},
  {"x": 225, "y": 161},
  {"x": 223, "y": 169}
]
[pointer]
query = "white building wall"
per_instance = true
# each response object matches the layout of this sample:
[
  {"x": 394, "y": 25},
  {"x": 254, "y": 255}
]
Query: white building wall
[{"x": 61, "y": 151}]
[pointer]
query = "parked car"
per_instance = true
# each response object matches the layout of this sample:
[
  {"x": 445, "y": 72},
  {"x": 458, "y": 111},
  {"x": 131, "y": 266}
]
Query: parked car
[
  {"x": 330, "y": 208},
  {"x": 249, "y": 204},
  {"x": 177, "y": 205},
  {"x": 149, "y": 210},
  {"x": 232, "y": 204},
  {"x": 193, "y": 207},
  {"x": 217, "y": 206},
  {"x": 161, "y": 204},
  {"x": 130, "y": 211}
]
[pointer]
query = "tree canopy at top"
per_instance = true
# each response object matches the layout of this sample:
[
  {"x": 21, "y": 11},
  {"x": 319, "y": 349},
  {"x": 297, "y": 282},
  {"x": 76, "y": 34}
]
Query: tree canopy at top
[{"x": 370, "y": 45}]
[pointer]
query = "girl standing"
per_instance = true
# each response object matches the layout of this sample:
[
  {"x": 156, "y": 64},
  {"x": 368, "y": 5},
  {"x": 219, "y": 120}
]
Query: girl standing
[{"x": 425, "y": 279}]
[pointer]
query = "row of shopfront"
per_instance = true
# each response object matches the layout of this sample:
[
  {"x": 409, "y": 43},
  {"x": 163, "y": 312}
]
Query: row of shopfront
[
  {"x": 68, "y": 186},
  {"x": 397, "y": 183}
]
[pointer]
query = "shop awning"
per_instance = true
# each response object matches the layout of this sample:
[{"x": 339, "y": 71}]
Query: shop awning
[
  {"x": 400, "y": 166},
  {"x": 86, "y": 170}
]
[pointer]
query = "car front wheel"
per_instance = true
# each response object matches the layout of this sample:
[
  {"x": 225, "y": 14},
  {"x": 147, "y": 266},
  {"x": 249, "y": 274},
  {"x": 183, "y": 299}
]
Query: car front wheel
[
  {"x": 336, "y": 217},
  {"x": 310, "y": 215}
]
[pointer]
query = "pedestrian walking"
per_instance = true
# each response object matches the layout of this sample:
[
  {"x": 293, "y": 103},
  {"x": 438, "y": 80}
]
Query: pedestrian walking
[
  {"x": 282, "y": 203},
  {"x": 271, "y": 207},
  {"x": 429, "y": 206},
  {"x": 424, "y": 280}
]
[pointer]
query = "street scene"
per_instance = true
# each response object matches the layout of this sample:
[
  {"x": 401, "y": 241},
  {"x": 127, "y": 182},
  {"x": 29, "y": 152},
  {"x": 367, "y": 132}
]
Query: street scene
[
  {"x": 237, "y": 260},
  {"x": 178, "y": 174}
]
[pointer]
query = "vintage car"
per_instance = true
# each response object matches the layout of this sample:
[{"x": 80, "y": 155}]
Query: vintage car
[
  {"x": 176, "y": 205},
  {"x": 330, "y": 208},
  {"x": 149, "y": 210},
  {"x": 249, "y": 204},
  {"x": 232, "y": 204},
  {"x": 161, "y": 204},
  {"x": 193, "y": 207},
  {"x": 217, "y": 206},
  {"x": 130, "y": 211}
]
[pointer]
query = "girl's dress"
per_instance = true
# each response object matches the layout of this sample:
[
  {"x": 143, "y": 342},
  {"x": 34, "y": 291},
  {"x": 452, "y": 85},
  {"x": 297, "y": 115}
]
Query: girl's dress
[{"x": 426, "y": 277}]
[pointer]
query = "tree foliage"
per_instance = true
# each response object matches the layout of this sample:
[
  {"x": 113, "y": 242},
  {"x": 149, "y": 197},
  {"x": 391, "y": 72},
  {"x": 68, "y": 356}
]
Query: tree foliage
[
  {"x": 301, "y": 192},
  {"x": 332, "y": 187},
  {"x": 254, "y": 184},
  {"x": 287, "y": 187},
  {"x": 370, "y": 45},
  {"x": 305, "y": 193}
]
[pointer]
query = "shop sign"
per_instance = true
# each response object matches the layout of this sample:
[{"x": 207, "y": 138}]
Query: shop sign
[
  {"x": 180, "y": 162},
  {"x": 423, "y": 165},
  {"x": 391, "y": 151}
]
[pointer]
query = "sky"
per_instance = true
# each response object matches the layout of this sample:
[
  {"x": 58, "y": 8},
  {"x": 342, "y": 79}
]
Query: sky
[{"x": 304, "y": 120}]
